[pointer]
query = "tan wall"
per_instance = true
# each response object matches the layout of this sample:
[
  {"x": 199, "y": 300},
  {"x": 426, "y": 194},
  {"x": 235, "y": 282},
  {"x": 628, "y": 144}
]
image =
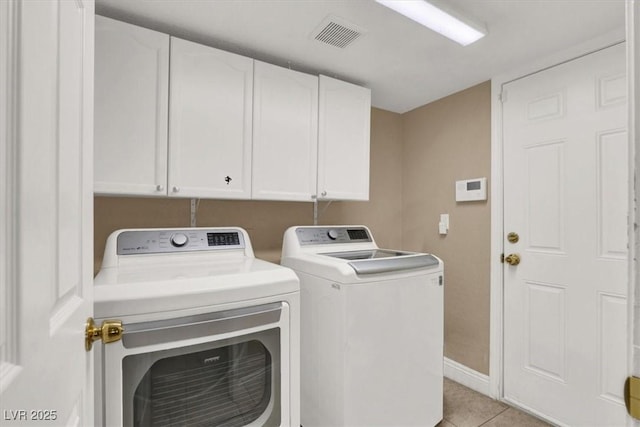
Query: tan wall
[
  {"x": 383, "y": 212},
  {"x": 266, "y": 221},
  {"x": 445, "y": 141}
]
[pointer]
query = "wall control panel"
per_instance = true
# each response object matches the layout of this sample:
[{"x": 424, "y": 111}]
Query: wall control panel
[{"x": 470, "y": 190}]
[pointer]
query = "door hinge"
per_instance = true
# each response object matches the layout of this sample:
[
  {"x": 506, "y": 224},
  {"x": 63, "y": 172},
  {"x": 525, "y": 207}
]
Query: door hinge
[
  {"x": 632, "y": 396},
  {"x": 109, "y": 331},
  {"x": 502, "y": 96}
]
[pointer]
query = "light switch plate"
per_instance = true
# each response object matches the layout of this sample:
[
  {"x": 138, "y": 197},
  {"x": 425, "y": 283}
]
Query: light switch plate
[{"x": 443, "y": 225}]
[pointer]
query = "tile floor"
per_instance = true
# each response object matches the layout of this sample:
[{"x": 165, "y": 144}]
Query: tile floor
[{"x": 464, "y": 407}]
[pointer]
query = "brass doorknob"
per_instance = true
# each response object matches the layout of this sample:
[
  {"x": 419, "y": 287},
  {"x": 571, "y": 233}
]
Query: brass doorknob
[
  {"x": 512, "y": 259},
  {"x": 110, "y": 331}
]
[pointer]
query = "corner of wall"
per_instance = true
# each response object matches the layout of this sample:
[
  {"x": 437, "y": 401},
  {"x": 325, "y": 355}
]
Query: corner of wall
[{"x": 444, "y": 141}]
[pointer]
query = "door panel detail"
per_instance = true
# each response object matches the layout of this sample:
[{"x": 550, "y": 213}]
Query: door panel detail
[
  {"x": 545, "y": 330},
  {"x": 545, "y": 108},
  {"x": 612, "y": 312},
  {"x": 612, "y": 194},
  {"x": 544, "y": 187},
  {"x": 611, "y": 90}
]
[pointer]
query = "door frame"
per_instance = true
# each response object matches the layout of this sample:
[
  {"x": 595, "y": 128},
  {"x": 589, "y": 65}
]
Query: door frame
[
  {"x": 633, "y": 71},
  {"x": 496, "y": 337},
  {"x": 9, "y": 353}
]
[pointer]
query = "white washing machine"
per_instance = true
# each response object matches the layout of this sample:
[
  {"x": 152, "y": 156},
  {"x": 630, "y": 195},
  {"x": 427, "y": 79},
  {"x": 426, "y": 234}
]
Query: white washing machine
[
  {"x": 371, "y": 329},
  {"x": 210, "y": 333}
]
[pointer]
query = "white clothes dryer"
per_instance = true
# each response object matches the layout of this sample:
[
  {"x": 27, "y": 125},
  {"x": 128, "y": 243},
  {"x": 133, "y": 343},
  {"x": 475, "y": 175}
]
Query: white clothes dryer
[
  {"x": 211, "y": 334},
  {"x": 371, "y": 329}
]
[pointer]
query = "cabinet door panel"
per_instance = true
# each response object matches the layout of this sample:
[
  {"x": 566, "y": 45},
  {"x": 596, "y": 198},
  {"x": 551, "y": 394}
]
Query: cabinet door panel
[
  {"x": 343, "y": 140},
  {"x": 285, "y": 134},
  {"x": 131, "y": 101},
  {"x": 210, "y": 122}
]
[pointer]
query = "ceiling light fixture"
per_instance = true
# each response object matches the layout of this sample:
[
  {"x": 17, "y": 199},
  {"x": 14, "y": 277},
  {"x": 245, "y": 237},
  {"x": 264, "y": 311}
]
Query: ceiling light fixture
[{"x": 437, "y": 20}]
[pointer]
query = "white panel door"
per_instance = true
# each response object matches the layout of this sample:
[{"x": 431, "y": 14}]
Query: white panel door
[
  {"x": 46, "y": 376},
  {"x": 131, "y": 101},
  {"x": 210, "y": 122},
  {"x": 344, "y": 129},
  {"x": 285, "y": 134},
  {"x": 566, "y": 181}
]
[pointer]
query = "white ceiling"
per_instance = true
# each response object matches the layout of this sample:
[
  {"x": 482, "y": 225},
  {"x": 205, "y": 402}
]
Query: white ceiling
[{"x": 404, "y": 64}]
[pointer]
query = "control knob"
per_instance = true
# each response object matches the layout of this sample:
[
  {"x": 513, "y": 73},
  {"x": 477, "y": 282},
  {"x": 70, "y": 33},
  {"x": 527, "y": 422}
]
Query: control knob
[
  {"x": 333, "y": 234},
  {"x": 179, "y": 239}
]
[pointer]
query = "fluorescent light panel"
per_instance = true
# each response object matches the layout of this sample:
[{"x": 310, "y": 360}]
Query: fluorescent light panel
[{"x": 435, "y": 19}]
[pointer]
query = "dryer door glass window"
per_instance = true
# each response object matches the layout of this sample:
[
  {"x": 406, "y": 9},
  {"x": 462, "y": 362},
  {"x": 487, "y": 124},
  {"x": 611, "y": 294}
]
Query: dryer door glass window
[{"x": 233, "y": 384}]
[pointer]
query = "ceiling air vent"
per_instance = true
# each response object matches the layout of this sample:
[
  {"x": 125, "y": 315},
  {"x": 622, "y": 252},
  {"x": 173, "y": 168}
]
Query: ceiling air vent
[{"x": 337, "y": 32}]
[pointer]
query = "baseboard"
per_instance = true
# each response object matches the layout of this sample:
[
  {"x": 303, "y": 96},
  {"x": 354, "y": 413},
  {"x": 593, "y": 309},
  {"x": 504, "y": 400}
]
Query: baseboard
[{"x": 466, "y": 376}]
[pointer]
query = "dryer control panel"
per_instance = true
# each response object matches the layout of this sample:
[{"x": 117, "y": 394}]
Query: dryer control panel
[
  {"x": 330, "y": 235},
  {"x": 136, "y": 242}
]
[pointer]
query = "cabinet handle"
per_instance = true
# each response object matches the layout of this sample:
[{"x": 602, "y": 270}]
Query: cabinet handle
[
  {"x": 323, "y": 194},
  {"x": 159, "y": 187},
  {"x": 176, "y": 189}
]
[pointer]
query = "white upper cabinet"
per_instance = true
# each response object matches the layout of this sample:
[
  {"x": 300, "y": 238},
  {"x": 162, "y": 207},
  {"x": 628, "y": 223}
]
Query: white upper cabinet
[
  {"x": 205, "y": 123},
  {"x": 343, "y": 140},
  {"x": 131, "y": 90},
  {"x": 210, "y": 120},
  {"x": 285, "y": 134}
]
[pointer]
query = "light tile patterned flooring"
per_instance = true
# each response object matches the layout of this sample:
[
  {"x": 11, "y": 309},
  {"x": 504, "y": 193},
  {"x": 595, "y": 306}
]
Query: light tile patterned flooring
[{"x": 464, "y": 407}]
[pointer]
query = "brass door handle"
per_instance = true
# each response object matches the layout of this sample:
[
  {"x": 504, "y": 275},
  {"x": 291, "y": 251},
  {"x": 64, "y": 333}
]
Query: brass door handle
[
  {"x": 512, "y": 259},
  {"x": 109, "y": 331}
]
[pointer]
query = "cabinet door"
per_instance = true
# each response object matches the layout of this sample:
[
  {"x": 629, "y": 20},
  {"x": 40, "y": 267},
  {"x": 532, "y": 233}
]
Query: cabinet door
[
  {"x": 343, "y": 140},
  {"x": 210, "y": 122},
  {"x": 131, "y": 101},
  {"x": 285, "y": 134}
]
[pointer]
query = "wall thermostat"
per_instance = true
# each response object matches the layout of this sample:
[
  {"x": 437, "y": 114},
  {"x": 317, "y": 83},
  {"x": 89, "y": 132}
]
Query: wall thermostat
[{"x": 469, "y": 190}]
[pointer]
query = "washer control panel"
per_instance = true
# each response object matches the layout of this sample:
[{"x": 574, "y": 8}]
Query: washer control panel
[
  {"x": 136, "y": 242},
  {"x": 329, "y": 235}
]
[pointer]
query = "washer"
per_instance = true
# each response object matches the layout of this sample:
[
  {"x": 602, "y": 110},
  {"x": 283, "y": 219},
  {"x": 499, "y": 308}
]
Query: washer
[
  {"x": 371, "y": 329},
  {"x": 211, "y": 334}
]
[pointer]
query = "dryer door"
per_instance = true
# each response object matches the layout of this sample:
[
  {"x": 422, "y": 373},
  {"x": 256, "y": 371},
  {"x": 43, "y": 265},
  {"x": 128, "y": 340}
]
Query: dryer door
[
  {"x": 231, "y": 383},
  {"x": 221, "y": 368}
]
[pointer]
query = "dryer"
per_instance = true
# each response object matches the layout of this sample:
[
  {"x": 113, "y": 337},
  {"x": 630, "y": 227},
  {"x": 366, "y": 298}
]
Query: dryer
[
  {"x": 211, "y": 334},
  {"x": 371, "y": 329}
]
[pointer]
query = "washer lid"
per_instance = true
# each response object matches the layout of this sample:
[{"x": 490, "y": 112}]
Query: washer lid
[{"x": 384, "y": 260}]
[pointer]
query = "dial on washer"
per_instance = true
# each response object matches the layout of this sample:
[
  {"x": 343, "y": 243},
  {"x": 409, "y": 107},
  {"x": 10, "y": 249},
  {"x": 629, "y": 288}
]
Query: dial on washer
[{"x": 179, "y": 239}]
